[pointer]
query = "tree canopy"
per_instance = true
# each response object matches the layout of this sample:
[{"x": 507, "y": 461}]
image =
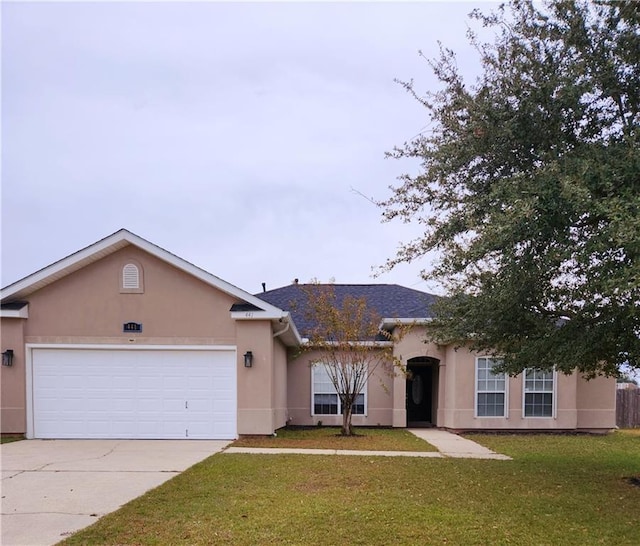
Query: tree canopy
[{"x": 529, "y": 188}]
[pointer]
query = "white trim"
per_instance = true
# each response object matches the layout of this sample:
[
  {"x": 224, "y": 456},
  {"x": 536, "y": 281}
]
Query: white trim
[
  {"x": 505, "y": 414},
  {"x": 29, "y": 347},
  {"x": 120, "y": 239},
  {"x": 28, "y": 360},
  {"x": 15, "y": 313},
  {"x": 313, "y": 392},
  {"x": 123, "y": 346},
  {"x": 389, "y": 321},
  {"x": 115, "y": 242},
  {"x": 554, "y": 394},
  {"x": 258, "y": 315},
  {"x": 306, "y": 341},
  {"x": 289, "y": 334}
]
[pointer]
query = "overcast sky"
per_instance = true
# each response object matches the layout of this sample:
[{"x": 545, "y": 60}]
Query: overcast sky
[{"x": 230, "y": 134}]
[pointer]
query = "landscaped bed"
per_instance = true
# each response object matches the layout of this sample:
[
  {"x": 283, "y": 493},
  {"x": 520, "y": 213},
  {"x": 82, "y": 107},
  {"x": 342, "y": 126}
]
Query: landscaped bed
[
  {"x": 569, "y": 490},
  {"x": 370, "y": 439}
]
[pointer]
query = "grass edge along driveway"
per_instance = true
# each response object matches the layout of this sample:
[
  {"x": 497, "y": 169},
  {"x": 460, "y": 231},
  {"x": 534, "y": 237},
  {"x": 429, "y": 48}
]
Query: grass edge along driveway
[{"x": 557, "y": 490}]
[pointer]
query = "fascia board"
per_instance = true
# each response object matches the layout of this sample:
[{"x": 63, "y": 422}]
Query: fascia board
[
  {"x": 256, "y": 315},
  {"x": 391, "y": 322},
  {"x": 59, "y": 266},
  {"x": 292, "y": 334},
  {"x": 294, "y": 330},
  {"x": 201, "y": 274},
  {"x": 112, "y": 242},
  {"x": 15, "y": 313},
  {"x": 308, "y": 342}
]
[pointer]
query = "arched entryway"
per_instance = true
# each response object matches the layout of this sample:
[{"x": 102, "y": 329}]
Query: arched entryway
[{"x": 422, "y": 391}]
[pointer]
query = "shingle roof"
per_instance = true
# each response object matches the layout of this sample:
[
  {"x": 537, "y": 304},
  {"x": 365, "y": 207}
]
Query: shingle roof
[{"x": 387, "y": 300}]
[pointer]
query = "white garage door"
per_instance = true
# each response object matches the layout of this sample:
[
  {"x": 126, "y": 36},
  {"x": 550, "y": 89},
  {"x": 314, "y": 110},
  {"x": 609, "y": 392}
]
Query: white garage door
[{"x": 154, "y": 394}]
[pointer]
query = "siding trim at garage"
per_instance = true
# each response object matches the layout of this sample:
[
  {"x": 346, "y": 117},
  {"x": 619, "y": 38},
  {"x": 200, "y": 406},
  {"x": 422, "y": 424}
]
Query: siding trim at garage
[{"x": 29, "y": 365}]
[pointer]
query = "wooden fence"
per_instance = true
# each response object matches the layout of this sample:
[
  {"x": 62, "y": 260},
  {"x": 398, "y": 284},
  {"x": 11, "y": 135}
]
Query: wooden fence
[{"x": 628, "y": 408}]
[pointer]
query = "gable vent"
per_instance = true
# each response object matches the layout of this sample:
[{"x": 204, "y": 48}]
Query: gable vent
[{"x": 130, "y": 276}]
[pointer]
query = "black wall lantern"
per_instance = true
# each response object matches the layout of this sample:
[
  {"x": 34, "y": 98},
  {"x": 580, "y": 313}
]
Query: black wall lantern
[
  {"x": 7, "y": 358},
  {"x": 248, "y": 359}
]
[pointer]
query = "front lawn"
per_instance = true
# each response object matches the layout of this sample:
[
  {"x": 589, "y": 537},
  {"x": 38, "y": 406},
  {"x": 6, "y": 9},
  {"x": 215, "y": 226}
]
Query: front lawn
[
  {"x": 370, "y": 439},
  {"x": 569, "y": 490}
]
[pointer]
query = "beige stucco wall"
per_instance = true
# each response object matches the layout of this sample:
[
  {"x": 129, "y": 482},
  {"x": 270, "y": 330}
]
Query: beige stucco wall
[
  {"x": 459, "y": 408},
  {"x": 579, "y": 404},
  {"x": 88, "y": 307},
  {"x": 461, "y": 414},
  {"x": 175, "y": 308},
  {"x": 596, "y": 403},
  {"x": 412, "y": 345},
  {"x": 12, "y": 379},
  {"x": 256, "y": 384},
  {"x": 379, "y": 395}
]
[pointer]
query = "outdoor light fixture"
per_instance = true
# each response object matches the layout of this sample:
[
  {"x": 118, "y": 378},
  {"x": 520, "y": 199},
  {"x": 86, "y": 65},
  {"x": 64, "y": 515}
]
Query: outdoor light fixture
[
  {"x": 248, "y": 359},
  {"x": 7, "y": 358}
]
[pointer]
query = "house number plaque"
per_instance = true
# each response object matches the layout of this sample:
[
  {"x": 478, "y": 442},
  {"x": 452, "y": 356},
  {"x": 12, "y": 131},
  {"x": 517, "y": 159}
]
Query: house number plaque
[{"x": 129, "y": 327}]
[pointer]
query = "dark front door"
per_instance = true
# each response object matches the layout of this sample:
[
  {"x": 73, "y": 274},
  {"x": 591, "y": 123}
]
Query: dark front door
[{"x": 419, "y": 394}]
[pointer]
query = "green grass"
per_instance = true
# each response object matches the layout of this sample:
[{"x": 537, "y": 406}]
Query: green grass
[
  {"x": 370, "y": 439},
  {"x": 567, "y": 490},
  {"x": 8, "y": 438}
]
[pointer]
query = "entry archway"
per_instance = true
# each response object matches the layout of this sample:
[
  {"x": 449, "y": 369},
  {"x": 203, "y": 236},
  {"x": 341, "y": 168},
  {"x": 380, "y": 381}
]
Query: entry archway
[{"x": 422, "y": 391}]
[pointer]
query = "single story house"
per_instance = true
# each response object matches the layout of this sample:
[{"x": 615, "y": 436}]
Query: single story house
[{"x": 123, "y": 339}]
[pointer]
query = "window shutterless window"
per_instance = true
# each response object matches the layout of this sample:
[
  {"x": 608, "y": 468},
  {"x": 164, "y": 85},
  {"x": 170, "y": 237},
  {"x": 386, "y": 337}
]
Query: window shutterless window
[
  {"x": 491, "y": 389},
  {"x": 325, "y": 399},
  {"x": 539, "y": 388}
]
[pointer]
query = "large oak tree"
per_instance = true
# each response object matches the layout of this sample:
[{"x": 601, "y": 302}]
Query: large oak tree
[{"x": 529, "y": 188}]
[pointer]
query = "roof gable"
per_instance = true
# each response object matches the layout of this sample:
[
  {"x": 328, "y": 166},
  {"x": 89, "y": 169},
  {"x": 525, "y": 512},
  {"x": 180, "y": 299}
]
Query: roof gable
[{"x": 20, "y": 290}]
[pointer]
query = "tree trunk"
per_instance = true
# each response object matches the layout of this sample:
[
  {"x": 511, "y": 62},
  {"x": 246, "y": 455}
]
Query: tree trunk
[{"x": 347, "y": 429}]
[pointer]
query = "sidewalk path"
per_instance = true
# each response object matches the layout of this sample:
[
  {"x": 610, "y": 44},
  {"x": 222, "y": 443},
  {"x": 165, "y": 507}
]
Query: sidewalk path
[
  {"x": 447, "y": 443},
  {"x": 452, "y": 445},
  {"x": 300, "y": 451}
]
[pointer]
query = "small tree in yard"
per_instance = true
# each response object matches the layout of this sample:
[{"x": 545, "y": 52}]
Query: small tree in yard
[{"x": 347, "y": 334}]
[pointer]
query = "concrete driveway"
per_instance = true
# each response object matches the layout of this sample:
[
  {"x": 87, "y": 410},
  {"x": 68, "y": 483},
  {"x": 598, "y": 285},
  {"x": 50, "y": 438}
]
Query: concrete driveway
[{"x": 52, "y": 488}]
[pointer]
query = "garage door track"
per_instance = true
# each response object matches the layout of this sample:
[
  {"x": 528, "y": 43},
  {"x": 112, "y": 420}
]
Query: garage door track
[{"x": 52, "y": 488}]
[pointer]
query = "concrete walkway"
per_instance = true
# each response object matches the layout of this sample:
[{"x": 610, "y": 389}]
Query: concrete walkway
[
  {"x": 452, "y": 445},
  {"x": 447, "y": 443},
  {"x": 299, "y": 451}
]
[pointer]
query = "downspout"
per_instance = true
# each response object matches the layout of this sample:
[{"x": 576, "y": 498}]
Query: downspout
[
  {"x": 280, "y": 332},
  {"x": 275, "y": 335}
]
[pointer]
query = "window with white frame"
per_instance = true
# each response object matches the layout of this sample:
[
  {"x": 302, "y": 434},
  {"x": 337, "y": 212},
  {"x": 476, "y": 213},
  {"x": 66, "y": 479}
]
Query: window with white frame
[
  {"x": 325, "y": 397},
  {"x": 491, "y": 389},
  {"x": 539, "y": 387}
]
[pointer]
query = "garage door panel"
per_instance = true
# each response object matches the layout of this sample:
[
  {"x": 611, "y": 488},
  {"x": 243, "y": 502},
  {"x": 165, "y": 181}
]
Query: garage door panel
[
  {"x": 73, "y": 428},
  {"x": 95, "y": 393},
  {"x": 199, "y": 406},
  {"x": 150, "y": 382},
  {"x": 98, "y": 405}
]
